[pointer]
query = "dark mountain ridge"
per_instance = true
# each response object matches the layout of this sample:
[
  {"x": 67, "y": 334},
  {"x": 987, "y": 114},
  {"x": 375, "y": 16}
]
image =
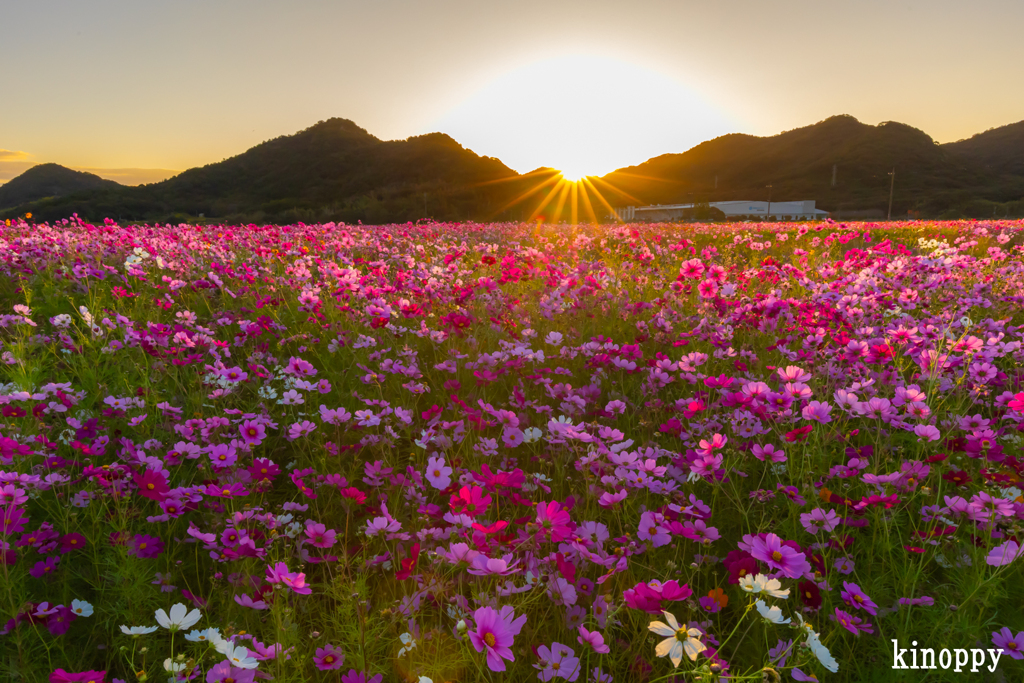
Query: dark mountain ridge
[
  {"x": 49, "y": 180},
  {"x": 336, "y": 170},
  {"x": 802, "y": 163}
]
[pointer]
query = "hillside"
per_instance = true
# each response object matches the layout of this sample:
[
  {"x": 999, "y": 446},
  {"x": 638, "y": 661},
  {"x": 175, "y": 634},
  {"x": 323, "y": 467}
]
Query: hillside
[
  {"x": 798, "y": 164},
  {"x": 999, "y": 150},
  {"x": 334, "y": 169},
  {"x": 49, "y": 180}
]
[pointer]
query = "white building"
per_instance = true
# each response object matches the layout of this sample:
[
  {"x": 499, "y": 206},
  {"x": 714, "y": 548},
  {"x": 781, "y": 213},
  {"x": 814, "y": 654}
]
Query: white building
[{"x": 735, "y": 210}]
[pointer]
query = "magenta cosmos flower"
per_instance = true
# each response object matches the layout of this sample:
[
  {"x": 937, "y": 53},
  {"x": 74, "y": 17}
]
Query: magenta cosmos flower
[
  {"x": 62, "y": 676},
  {"x": 296, "y": 581},
  {"x": 495, "y": 633},
  {"x": 593, "y": 639},
  {"x": 772, "y": 552},
  {"x": 328, "y": 658},
  {"x": 1010, "y": 644},
  {"x": 854, "y": 597},
  {"x": 223, "y": 672}
]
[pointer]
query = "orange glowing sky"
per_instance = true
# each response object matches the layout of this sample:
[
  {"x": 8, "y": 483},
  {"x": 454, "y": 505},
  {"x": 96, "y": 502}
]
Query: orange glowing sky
[{"x": 138, "y": 91}]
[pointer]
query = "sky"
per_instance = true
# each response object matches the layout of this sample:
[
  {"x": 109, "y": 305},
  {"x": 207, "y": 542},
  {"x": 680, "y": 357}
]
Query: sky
[{"x": 138, "y": 91}]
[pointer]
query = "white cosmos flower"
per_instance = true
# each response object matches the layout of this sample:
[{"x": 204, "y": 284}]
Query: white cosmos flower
[
  {"x": 180, "y": 617},
  {"x": 173, "y": 667},
  {"x": 81, "y": 608},
  {"x": 822, "y": 653},
  {"x": 210, "y": 635},
  {"x": 408, "y": 643},
  {"x": 772, "y": 614},
  {"x": 678, "y": 640},
  {"x": 137, "y": 630},
  {"x": 237, "y": 655},
  {"x": 762, "y": 584}
]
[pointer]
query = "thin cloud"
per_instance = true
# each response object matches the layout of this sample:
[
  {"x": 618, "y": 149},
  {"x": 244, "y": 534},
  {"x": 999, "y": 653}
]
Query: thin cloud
[
  {"x": 13, "y": 169},
  {"x": 13, "y": 155}
]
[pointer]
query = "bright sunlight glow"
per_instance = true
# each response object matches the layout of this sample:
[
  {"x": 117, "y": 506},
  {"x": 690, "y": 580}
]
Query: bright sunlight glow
[{"x": 582, "y": 114}]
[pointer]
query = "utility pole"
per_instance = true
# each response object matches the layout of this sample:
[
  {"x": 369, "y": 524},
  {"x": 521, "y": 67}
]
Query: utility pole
[
  {"x": 833, "y": 175},
  {"x": 769, "y": 201},
  {"x": 424, "y": 204},
  {"x": 892, "y": 185},
  {"x": 716, "y": 182}
]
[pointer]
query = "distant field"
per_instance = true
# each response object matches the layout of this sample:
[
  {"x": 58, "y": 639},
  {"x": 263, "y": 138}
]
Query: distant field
[{"x": 503, "y": 452}]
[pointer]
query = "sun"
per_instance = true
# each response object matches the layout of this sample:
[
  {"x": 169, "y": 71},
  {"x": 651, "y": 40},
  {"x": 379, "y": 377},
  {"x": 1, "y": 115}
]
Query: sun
[
  {"x": 573, "y": 174},
  {"x": 584, "y": 114}
]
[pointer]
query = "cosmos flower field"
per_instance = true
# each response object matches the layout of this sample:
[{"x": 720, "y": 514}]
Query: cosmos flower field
[{"x": 509, "y": 452}]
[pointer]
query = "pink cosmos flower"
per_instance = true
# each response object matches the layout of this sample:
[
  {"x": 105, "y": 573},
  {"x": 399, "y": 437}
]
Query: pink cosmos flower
[
  {"x": 488, "y": 566},
  {"x": 1010, "y": 644},
  {"x": 495, "y": 633},
  {"x": 554, "y": 521},
  {"x": 923, "y": 600},
  {"x": 320, "y": 536},
  {"x": 252, "y": 432},
  {"x": 707, "y": 289},
  {"x": 650, "y": 530},
  {"x": 246, "y": 601},
  {"x": 223, "y": 672},
  {"x": 438, "y": 474},
  {"x": 817, "y": 412},
  {"x": 328, "y": 658},
  {"x": 472, "y": 500},
  {"x": 558, "y": 662},
  {"x": 300, "y": 429},
  {"x": 62, "y": 676},
  {"x": 594, "y": 639},
  {"x": 145, "y": 546},
  {"x": 792, "y": 373},
  {"x": 296, "y": 581},
  {"x": 769, "y": 452},
  {"x": 819, "y": 520},
  {"x": 609, "y": 500},
  {"x": 852, "y": 595},
  {"x": 512, "y": 437},
  {"x": 717, "y": 441},
  {"x": 772, "y": 552},
  {"x": 1004, "y": 554},
  {"x": 354, "y": 676},
  {"x": 650, "y": 596}
]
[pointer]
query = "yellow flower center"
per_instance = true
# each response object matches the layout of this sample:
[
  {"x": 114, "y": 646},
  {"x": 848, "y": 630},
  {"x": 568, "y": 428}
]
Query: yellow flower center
[{"x": 490, "y": 639}]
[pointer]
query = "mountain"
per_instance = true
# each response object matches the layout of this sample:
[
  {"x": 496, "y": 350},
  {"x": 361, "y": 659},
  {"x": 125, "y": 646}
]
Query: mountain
[
  {"x": 334, "y": 170},
  {"x": 1000, "y": 150},
  {"x": 337, "y": 171},
  {"x": 798, "y": 164},
  {"x": 49, "y": 180}
]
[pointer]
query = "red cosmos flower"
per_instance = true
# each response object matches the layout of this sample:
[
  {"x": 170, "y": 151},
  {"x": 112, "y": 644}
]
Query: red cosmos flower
[
  {"x": 810, "y": 594},
  {"x": 355, "y": 494},
  {"x": 554, "y": 521},
  {"x": 409, "y": 563},
  {"x": 229, "y": 491},
  {"x": 495, "y": 528},
  {"x": 470, "y": 499},
  {"x": 650, "y": 597},
  {"x": 152, "y": 485},
  {"x": 71, "y": 542},
  {"x": 799, "y": 434},
  {"x": 957, "y": 477}
]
